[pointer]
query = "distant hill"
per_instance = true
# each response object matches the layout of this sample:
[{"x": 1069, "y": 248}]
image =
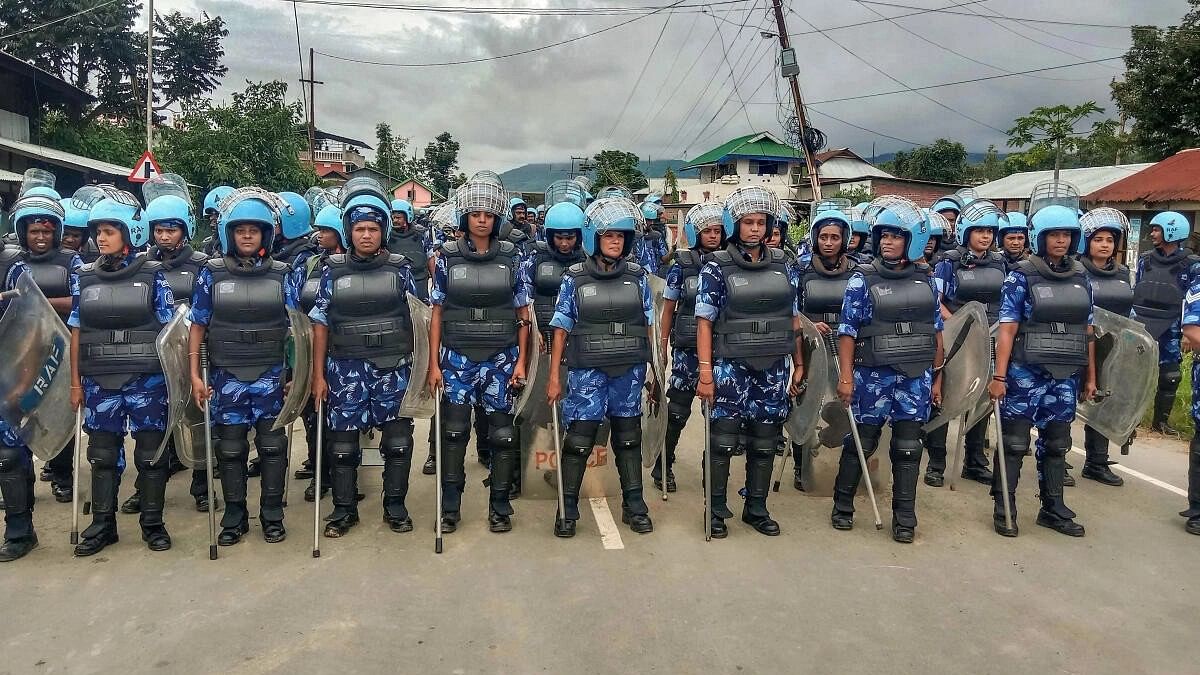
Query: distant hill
[
  {"x": 535, "y": 177},
  {"x": 972, "y": 157}
]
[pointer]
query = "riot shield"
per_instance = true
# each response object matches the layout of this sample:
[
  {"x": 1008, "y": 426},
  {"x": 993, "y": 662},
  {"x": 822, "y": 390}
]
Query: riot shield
[
  {"x": 301, "y": 369},
  {"x": 1126, "y": 376},
  {"x": 172, "y": 346},
  {"x": 418, "y": 404},
  {"x": 539, "y": 463},
  {"x": 658, "y": 361},
  {"x": 654, "y": 402},
  {"x": 983, "y": 406},
  {"x": 533, "y": 363},
  {"x": 807, "y": 408},
  {"x": 35, "y": 373},
  {"x": 967, "y": 342}
]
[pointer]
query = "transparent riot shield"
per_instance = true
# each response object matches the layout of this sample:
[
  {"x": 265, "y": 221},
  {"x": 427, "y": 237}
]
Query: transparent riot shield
[
  {"x": 417, "y": 403},
  {"x": 806, "y": 409},
  {"x": 1126, "y": 376},
  {"x": 172, "y": 347},
  {"x": 301, "y": 369},
  {"x": 654, "y": 399},
  {"x": 533, "y": 364},
  {"x": 35, "y": 373},
  {"x": 967, "y": 342}
]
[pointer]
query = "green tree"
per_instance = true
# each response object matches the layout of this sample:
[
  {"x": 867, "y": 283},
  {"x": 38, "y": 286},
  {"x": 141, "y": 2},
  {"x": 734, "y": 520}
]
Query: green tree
[
  {"x": 390, "y": 157},
  {"x": 991, "y": 168},
  {"x": 187, "y": 56},
  {"x": 857, "y": 194},
  {"x": 943, "y": 161},
  {"x": 1052, "y": 129},
  {"x": 250, "y": 141},
  {"x": 441, "y": 159},
  {"x": 670, "y": 186},
  {"x": 617, "y": 167},
  {"x": 1159, "y": 90}
]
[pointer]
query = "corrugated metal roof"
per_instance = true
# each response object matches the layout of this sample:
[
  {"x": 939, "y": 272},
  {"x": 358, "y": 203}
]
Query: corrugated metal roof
[
  {"x": 1175, "y": 179},
  {"x": 761, "y": 144},
  {"x": 10, "y": 177},
  {"x": 1019, "y": 185},
  {"x": 63, "y": 158}
]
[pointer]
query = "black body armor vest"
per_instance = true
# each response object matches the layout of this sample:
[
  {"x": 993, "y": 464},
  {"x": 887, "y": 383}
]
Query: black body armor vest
[
  {"x": 549, "y": 266},
  {"x": 249, "y": 318},
  {"x": 755, "y": 325},
  {"x": 1055, "y": 335},
  {"x": 610, "y": 332},
  {"x": 288, "y": 252},
  {"x": 411, "y": 245},
  {"x": 1157, "y": 297},
  {"x": 180, "y": 270},
  {"x": 368, "y": 310},
  {"x": 52, "y": 271},
  {"x": 981, "y": 282},
  {"x": 478, "y": 317},
  {"x": 823, "y": 293},
  {"x": 1111, "y": 288},
  {"x": 117, "y": 323},
  {"x": 901, "y": 334},
  {"x": 683, "y": 326}
]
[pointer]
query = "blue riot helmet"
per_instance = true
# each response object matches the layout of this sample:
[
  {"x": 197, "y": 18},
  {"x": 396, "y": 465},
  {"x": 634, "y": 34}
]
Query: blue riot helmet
[
  {"x": 1174, "y": 226},
  {"x": 937, "y": 223},
  {"x": 980, "y": 214},
  {"x": 611, "y": 214},
  {"x": 651, "y": 211},
  {"x": 74, "y": 218},
  {"x": 699, "y": 218},
  {"x": 654, "y": 197},
  {"x": 948, "y": 203},
  {"x": 38, "y": 203},
  {"x": 404, "y": 207},
  {"x": 485, "y": 196},
  {"x": 1054, "y": 193},
  {"x": 566, "y": 191},
  {"x": 566, "y": 218},
  {"x": 513, "y": 203},
  {"x": 897, "y": 214},
  {"x": 121, "y": 209},
  {"x": 859, "y": 225},
  {"x": 171, "y": 211},
  {"x": 1103, "y": 219},
  {"x": 1017, "y": 222},
  {"x": 615, "y": 191},
  {"x": 212, "y": 200},
  {"x": 297, "y": 221},
  {"x": 330, "y": 218},
  {"x": 1052, "y": 218},
  {"x": 830, "y": 218},
  {"x": 367, "y": 207},
  {"x": 249, "y": 205},
  {"x": 747, "y": 200},
  {"x": 361, "y": 185}
]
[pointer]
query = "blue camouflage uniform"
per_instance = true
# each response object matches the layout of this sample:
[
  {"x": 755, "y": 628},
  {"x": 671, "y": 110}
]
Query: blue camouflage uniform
[
  {"x": 742, "y": 391},
  {"x": 486, "y": 383},
  {"x": 1191, "y": 317},
  {"x": 235, "y": 401},
  {"x": 142, "y": 401},
  {"x": 882, "y": 394},
  {"x": 650, "y": 252},
  {"x": 361, "y": 396},
  {"x": 18, "y": 517},
  {"x": 592, "y": 394},
  {"x": 685, "y": 363}
]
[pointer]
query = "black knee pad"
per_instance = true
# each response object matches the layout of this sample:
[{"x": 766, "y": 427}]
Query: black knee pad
[
  {"x": 906, "y": 441},
  {"x": 270, "y": 442},
  {"x": 1056, "y": 438},
  {"x": 1169, "y": 377},
  {"x": 626, "y": 433},
  {"x": 145, "y": 447},
  {"x": 397, "y": 438},
  {"x": 723, "y": 436},
  {"x": 12, "y": 460},
  {"x": 1015, "y": 434},
  {"x": 345, "y": 448},
  {"x": 869, "y": 435},
  {"x": 231, "y": 442},
  {"x": 502, "y": 431},
  {"x": 456, "y": 422},
  {"x": 103, "y": 449},
  {"x": 763, "y": 437},
  {"x": 580, "y": 437},
  {"x": 679, "y": 405}
]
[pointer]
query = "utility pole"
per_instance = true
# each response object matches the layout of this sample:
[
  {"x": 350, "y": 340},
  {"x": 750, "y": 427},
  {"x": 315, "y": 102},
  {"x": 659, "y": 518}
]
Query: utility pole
[
  {"x": 149, "y": 75},
  {"x": 801, "y": 119},
  {"x": 312, "y": 82}
]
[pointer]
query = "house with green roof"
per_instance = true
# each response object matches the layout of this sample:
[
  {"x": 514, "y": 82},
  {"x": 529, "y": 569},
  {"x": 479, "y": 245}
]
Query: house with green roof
[{"x": 755, "y": 158}]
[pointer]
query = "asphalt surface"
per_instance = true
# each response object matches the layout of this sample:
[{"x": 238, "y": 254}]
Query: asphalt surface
[{"x": 1124, "y": 599}]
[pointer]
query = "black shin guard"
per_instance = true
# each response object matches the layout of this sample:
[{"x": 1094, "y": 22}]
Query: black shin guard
[
  {"x": 723, "y": 441},
  {"x": 679, "y": 409},
  {"x": 626, "y": 439},
  {"x": 760, "y": 461},
  {"x": 232, "y": 452},
  {"x": 396, "y": 446},
  {"x": 103, "y": 451},
  {"x": 849, "y": 474},
  {"x": 347, "y": 455},
  {"x": 273, "y": 456},
  {"x": 905, "y": 453},
  {"x": 1169, "y": 377},
  {"x": 152, "y": 477},
  {"x": 577, "y": 446},
  {"x": 505, "y": 443},
  {"x": 1014, "y": 433},
  {"x": 1193, "y": 510},
  {"x": 1056, "y": 440},
  {"x": 1095, "y": 446},
  {"x": 935, "y": 445},
  {"x": 456, "y": 429},
  {"x": 16, "y": 469}
]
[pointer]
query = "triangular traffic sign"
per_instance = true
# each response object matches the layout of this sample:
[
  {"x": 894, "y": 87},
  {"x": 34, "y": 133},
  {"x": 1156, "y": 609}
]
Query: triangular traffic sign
[{"x": 145, "y": 169}]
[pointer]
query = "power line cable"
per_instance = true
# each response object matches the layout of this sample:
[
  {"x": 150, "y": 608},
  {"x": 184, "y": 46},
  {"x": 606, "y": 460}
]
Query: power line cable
[
  {"x": 638, "y": 79},
  {"x": 58, "y": 20}
]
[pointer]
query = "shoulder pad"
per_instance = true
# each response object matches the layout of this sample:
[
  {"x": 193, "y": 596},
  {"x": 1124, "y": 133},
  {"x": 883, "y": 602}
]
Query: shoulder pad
[
  {"x": 777, "y": 255},
  {"x": 508, "y": 247},
  {"x": 721, "y": 257},
  {"x": 280, "y": 266},
  {"x": 150, "y": 265},
  {"x": 88, "y": 267},
  {"x": 418, "y": 229},
  {"x": 685, "y": 257},
  {"x": 1024, "y": 267},
  {"x": 398, "y": 260},
  {"x": 198, "y": 257},
  {"x": 541, "y": 247},
  {"x": 634, "y": 268},
  {"x": 450, "y": 247},
  {"x": 953, "y": 255},
  {"x": 214, "y": 263},
  {"x": 576, "y": 269},
  {"x": 337, "y": 259}
]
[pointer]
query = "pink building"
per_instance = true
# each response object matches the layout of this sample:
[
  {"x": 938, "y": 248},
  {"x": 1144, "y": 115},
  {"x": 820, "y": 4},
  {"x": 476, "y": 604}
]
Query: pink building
[{"x": 417, "y": 193}]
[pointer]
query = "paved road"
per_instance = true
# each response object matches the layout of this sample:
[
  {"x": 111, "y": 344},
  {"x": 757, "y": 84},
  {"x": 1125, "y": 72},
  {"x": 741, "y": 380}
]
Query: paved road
[{"x": 1125, "y": 599}]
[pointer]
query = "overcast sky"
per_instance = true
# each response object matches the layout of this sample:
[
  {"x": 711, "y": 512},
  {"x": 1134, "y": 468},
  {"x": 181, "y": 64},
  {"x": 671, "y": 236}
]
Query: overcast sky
[{"x": 565, "y": 100}]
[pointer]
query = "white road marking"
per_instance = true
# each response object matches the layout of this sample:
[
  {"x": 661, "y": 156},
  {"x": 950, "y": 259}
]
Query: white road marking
[
  {"x": 1138, "y": 474},
  {"x": 610, "y": 536}
]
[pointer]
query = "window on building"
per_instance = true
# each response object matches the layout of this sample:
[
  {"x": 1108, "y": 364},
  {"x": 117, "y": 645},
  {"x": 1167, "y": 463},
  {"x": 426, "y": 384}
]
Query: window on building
[
  {"x": 412, "y": 195},
  {"x": 729, "y": 169},
  {"x": 764, "y": 168}
]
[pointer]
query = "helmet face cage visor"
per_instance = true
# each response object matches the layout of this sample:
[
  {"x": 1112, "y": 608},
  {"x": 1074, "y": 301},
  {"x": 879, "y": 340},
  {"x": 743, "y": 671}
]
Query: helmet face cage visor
[{"x": 1049, "y": 193}]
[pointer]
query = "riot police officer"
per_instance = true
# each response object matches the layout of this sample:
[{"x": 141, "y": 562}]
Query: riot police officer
[
  {"x": 480, "y": 327},
  {"x": 949, "y": 207},
  {"x": 1162, "y": 279},
  {"x": 295, "y": 229},
  {"x": 1191, "y": 330},
  {"x": 973, "y": 272},
  {"x": 1044, "y": 348},
  {"x": 1014, "y": 239},
  {"x": 603, "y": 325},
  {"x": 860, "y": 235},
  {"x": 413, "y": 242},
  {"x": 890, "y": 355},
  {"x": 1103, "y": 235},
  {"x": 551, "y": 258},
  {"x": 121, "y": 302},
  {"x": 51, "y": 267},
  {"x": 705, "y": 233},
  {"x": 75, "y": 230},
  {"x": 239, "y": 310},
  {"x": 652, "y": 247},
  {"x": 747, "y": 316},
  {"x": 362, "y": 360},
  {"x": 211, "y": 213},
  {"x": 823, "y": 280},
  {"x": 306, "y": 278}
]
